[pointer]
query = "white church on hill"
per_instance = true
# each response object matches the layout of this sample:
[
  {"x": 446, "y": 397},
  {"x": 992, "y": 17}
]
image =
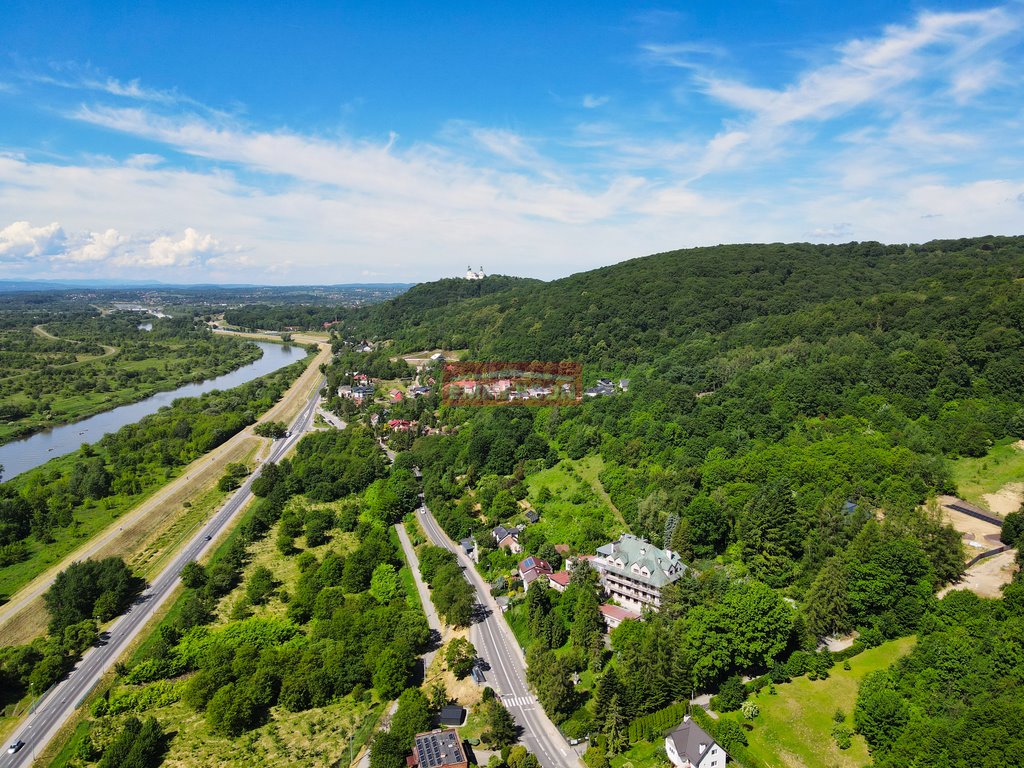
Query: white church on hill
[{"x": 471, "y": 275}]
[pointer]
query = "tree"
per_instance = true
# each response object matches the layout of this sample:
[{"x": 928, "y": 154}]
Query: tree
[
  {"x": 412, "y": 716},
  {"x": 387, "y": 751},
  {"x": 880, "y": 712},
  {"x": 384, "y": 583},
  {"x": 460, "y": 656},
  {"x": 501, "y": 728},
  {"x": 827, "y": 610},
  {"x": 259, "y": 585},
  {"x": 615, "y": 726},
  {"x": 1013, "y": 529},
  {"x": 394, "y": 667},
  {"x": 746, "y": 629},
  {"x": 770, "y": 533},
  {"x": 503, "y": 506},
  {"x": 732, "y": 694},
  {"x": 608, "y": 688},
  {"x": 550, "y": 677},
  {"x": 272, "y": 429},
  {"x": 193, "y": 575}
]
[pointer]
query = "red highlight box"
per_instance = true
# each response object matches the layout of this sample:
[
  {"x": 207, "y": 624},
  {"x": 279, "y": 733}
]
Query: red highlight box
[{"x": 511, "y": 383}]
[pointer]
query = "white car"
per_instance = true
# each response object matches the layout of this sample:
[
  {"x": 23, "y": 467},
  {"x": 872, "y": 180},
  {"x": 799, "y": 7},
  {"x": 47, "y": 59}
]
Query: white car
[{"x": 15, "y": 746}]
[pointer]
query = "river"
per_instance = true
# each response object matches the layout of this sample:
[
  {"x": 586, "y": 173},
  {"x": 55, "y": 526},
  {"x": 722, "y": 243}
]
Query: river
[{"x": 22, "y": 455}]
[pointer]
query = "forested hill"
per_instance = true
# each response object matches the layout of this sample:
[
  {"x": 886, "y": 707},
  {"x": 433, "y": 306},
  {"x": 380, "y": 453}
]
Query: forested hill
[
  {"x": 427, "y": 304},
  {"x": 725, "y": 296}
]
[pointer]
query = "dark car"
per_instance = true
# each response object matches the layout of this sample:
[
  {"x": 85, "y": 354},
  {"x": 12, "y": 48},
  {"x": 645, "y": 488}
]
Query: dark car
[{"x": 15, "y": 746}]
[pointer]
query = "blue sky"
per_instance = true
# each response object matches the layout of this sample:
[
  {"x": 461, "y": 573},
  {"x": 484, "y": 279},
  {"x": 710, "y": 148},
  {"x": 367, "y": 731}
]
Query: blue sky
[{"x": 330, "y": 142}]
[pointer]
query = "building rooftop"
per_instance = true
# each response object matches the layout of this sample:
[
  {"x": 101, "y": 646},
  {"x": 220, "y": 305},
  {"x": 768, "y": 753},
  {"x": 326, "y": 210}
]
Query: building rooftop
[
  {"x": 561, "y": 578},
  {"x": 617, "y": 612},
  {"x": 691, "y": 741},
  {"x": 451, "y": 714},
  {"x": 439, "y": 748},
  {"x": 639, "y": 559}
]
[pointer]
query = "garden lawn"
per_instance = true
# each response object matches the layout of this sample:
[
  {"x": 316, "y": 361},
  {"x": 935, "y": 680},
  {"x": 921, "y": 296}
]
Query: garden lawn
[
  {"x": 646, "y": 754},
  {"x": 794, "y": 728},
  {"x": 989, "y": 473}
]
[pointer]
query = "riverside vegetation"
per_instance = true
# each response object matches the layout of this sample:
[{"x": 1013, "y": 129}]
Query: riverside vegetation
[
  {"x": 46, "y": 512},
  {"x": 64, "y": 361}
]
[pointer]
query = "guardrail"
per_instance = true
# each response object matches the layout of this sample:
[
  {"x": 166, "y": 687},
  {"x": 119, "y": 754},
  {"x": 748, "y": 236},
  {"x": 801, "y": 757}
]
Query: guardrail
[{"x": 987, "y": 553}]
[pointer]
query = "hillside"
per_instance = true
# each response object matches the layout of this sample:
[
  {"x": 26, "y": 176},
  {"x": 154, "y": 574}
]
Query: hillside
[{"x": 629, "y": 311}]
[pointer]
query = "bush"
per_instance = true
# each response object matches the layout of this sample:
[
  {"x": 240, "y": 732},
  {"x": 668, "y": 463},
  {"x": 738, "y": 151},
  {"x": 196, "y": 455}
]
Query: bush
[{"x": 731, "y": 694}]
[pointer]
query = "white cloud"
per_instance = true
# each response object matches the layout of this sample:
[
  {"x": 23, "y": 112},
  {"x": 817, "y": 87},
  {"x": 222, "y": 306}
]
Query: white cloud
[
  {"x": 843, "y": 231},
  {"x": 593, "y": 102},
  {"x": 98, "y": 246},
  {"x": 20, "y": 241},
  {"x": 892, "y": 73},
  {"x": 191, "y": 250}
]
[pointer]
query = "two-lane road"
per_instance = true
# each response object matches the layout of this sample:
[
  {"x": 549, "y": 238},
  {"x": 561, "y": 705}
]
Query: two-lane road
[
  {"x": 60, "y": 703},
  {"x": 496, "y": 645}
]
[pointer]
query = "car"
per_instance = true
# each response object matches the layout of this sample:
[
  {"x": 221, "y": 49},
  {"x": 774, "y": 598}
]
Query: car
[
  {"x": 15, "y": 746},
  {"x": 478, "y": 674},
  {"x": 207, "y": 537}
]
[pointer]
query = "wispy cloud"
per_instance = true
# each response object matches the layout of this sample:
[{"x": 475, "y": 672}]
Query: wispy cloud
[
  {"x": 891, "y": 73},
  {"x": 897, "y": 137}
]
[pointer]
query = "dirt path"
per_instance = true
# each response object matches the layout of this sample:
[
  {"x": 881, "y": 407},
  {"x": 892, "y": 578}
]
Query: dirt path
[
  {"x": 23, "y": 617},
  {"x": 986, "y": 577},
  {"x": 1007, "y": 499},
  {"x": 108, "y": 350}
]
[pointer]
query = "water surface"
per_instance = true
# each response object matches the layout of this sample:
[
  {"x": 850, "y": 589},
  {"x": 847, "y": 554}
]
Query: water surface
[{"x": 22, "y": 455}]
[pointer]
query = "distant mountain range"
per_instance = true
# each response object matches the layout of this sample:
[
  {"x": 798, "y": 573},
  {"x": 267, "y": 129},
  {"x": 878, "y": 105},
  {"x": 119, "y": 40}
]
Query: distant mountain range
[{"x": 8, "y": 286}]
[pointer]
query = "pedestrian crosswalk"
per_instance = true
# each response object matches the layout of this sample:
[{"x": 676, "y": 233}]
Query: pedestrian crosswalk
[{"x": 517, "y": 701}]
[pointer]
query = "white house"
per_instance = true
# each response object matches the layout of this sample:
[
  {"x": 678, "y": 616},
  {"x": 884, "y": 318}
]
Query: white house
[{"x": 690, "y": 746}]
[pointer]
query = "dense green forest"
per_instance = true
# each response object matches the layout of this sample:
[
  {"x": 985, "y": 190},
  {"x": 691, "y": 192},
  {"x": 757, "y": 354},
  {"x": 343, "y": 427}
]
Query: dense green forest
[
  {"x": 791, "y": 410},
  {"x": 64, "y": 362}
]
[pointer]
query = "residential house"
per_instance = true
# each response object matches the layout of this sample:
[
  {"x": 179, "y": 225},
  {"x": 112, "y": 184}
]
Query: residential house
[
  {"x": 690, "y": 746},
  {"x": 400, "y": 425},
  {"x": 601, "y": 389},
  {"x": 362, "y": 392},
  {"x": 507, "y": 538},
  {"x": 439, "y": 749},
  {"x": 634, "y": 571},
  {"x": 614, "y": 615},
  {"x": 559, "y": 580},
  {"x": 469, "y": 547},
  {"x": 532, "y": 568}
]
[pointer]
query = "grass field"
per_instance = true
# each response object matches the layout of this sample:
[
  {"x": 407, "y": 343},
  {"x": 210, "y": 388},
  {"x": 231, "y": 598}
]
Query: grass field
[
  {"x": 574, "y": 514},
  {"x": 988, "y": 474},
  {"x": 794, "y": 729},
  {"x": 647, "y": 754}
]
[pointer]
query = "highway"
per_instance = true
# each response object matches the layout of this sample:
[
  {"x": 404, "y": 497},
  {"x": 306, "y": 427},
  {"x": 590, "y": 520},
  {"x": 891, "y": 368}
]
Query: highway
[
  {"x": 497, "y": 646},
  {"x": 60, "y": 703}
]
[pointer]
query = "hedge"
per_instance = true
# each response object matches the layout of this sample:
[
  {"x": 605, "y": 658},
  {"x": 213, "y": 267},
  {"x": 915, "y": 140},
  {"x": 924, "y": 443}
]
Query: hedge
[{"x": 656, "y": 724}]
